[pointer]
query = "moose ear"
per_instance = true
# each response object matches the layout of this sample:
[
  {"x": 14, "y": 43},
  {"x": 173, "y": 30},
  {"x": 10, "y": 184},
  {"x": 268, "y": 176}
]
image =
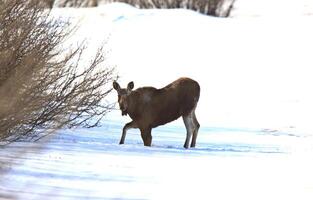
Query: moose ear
[
  {"x": 130, "y": 86},
  {"x": 116, "y": 86}
]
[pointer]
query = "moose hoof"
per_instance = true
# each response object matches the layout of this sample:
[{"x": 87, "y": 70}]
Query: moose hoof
[{"x": 121, "y": 143}]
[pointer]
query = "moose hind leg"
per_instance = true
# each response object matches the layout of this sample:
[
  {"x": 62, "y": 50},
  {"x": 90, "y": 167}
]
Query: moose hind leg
[
  {"x": 126, "y": 127},
  {"x": 189, "y": 127},
  {"x": 196, "y": 129}
]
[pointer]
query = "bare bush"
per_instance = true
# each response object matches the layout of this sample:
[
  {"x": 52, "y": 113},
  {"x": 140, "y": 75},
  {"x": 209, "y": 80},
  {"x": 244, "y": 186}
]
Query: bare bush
[
  {"x": 42, "y": 86},
  {"x": 68, "y": 3},
  {"x": 47, "y": 3},
  {"x": 77, "y": 3},
  {"x": 220, "y": 8}
]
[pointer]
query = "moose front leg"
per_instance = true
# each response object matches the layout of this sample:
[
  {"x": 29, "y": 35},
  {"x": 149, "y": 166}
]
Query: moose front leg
[
  {"x": 146, "y": 136},
  {"x": 127, "y": 126}
]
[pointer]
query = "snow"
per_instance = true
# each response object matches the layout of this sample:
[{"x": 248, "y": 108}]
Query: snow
[
  {"x": 256, "y": 66},
  {"x": 255, "y": 110},
  {"x": 89, "y": 164},
  {"x": 272, "y": 8}
]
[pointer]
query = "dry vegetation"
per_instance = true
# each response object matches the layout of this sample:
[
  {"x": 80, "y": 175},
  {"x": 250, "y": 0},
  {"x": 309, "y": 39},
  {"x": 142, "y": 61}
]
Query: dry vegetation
[
  {"x": 78, "y": 3},
  {"x": 219, "y": 8},
  {"x": 42, "y": 86},
  {"x": 69, "y": 3},
  {"x": 208, "y": 7}
]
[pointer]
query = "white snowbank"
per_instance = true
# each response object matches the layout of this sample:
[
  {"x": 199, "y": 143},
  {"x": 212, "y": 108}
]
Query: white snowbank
[
  {"x": 272, "y": 8},
  {"x": 252, "y": 72},
  {"x": 84, "y": 164}
]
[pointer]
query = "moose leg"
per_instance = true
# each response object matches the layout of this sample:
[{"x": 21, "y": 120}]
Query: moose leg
[
  {"x": 127, "y": 126},
  {"x": 146, "y": 136},
  {"x": 189, "y": 127},
  {"x": 196, "y": 128}
]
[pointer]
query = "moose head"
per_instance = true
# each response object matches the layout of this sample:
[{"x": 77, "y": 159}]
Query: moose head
[{"x": 122, "y": 94}]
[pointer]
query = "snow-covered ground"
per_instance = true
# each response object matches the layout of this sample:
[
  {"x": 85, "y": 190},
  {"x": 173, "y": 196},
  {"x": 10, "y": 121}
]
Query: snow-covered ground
[
  {"x": 272, "y": 8},
  {"x": 227, "y": 164},
  {"x": 255, "y": 110}
]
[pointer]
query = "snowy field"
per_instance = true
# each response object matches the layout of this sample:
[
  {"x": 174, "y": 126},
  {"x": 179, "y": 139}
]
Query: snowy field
[{"x": 255, "y": 110}]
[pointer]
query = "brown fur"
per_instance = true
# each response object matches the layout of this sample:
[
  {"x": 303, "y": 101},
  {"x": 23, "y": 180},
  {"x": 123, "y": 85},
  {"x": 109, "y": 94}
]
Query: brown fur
[{"x": 149, "y": 107}]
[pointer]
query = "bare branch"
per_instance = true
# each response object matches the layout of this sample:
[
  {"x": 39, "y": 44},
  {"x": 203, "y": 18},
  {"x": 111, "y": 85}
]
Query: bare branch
[{"x": 42, "y": 86}]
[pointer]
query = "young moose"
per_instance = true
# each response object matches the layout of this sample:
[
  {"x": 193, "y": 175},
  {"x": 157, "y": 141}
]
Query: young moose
[{"x": 149, "y": 107}]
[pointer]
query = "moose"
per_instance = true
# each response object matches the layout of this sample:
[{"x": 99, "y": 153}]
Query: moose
[{"x": 149, "y": 107}]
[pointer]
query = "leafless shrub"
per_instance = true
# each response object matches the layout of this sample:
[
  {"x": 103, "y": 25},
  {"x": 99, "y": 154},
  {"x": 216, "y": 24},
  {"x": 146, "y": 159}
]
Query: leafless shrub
[
  {"x": 42, "y": 86},
  {"x": 68, "y": 3},
  {"x": 208, "y": 7},
  {"x": 47, "y": 3},
  {"x": 219, "y": 8},
  {"x": 78, "y": 3}
]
